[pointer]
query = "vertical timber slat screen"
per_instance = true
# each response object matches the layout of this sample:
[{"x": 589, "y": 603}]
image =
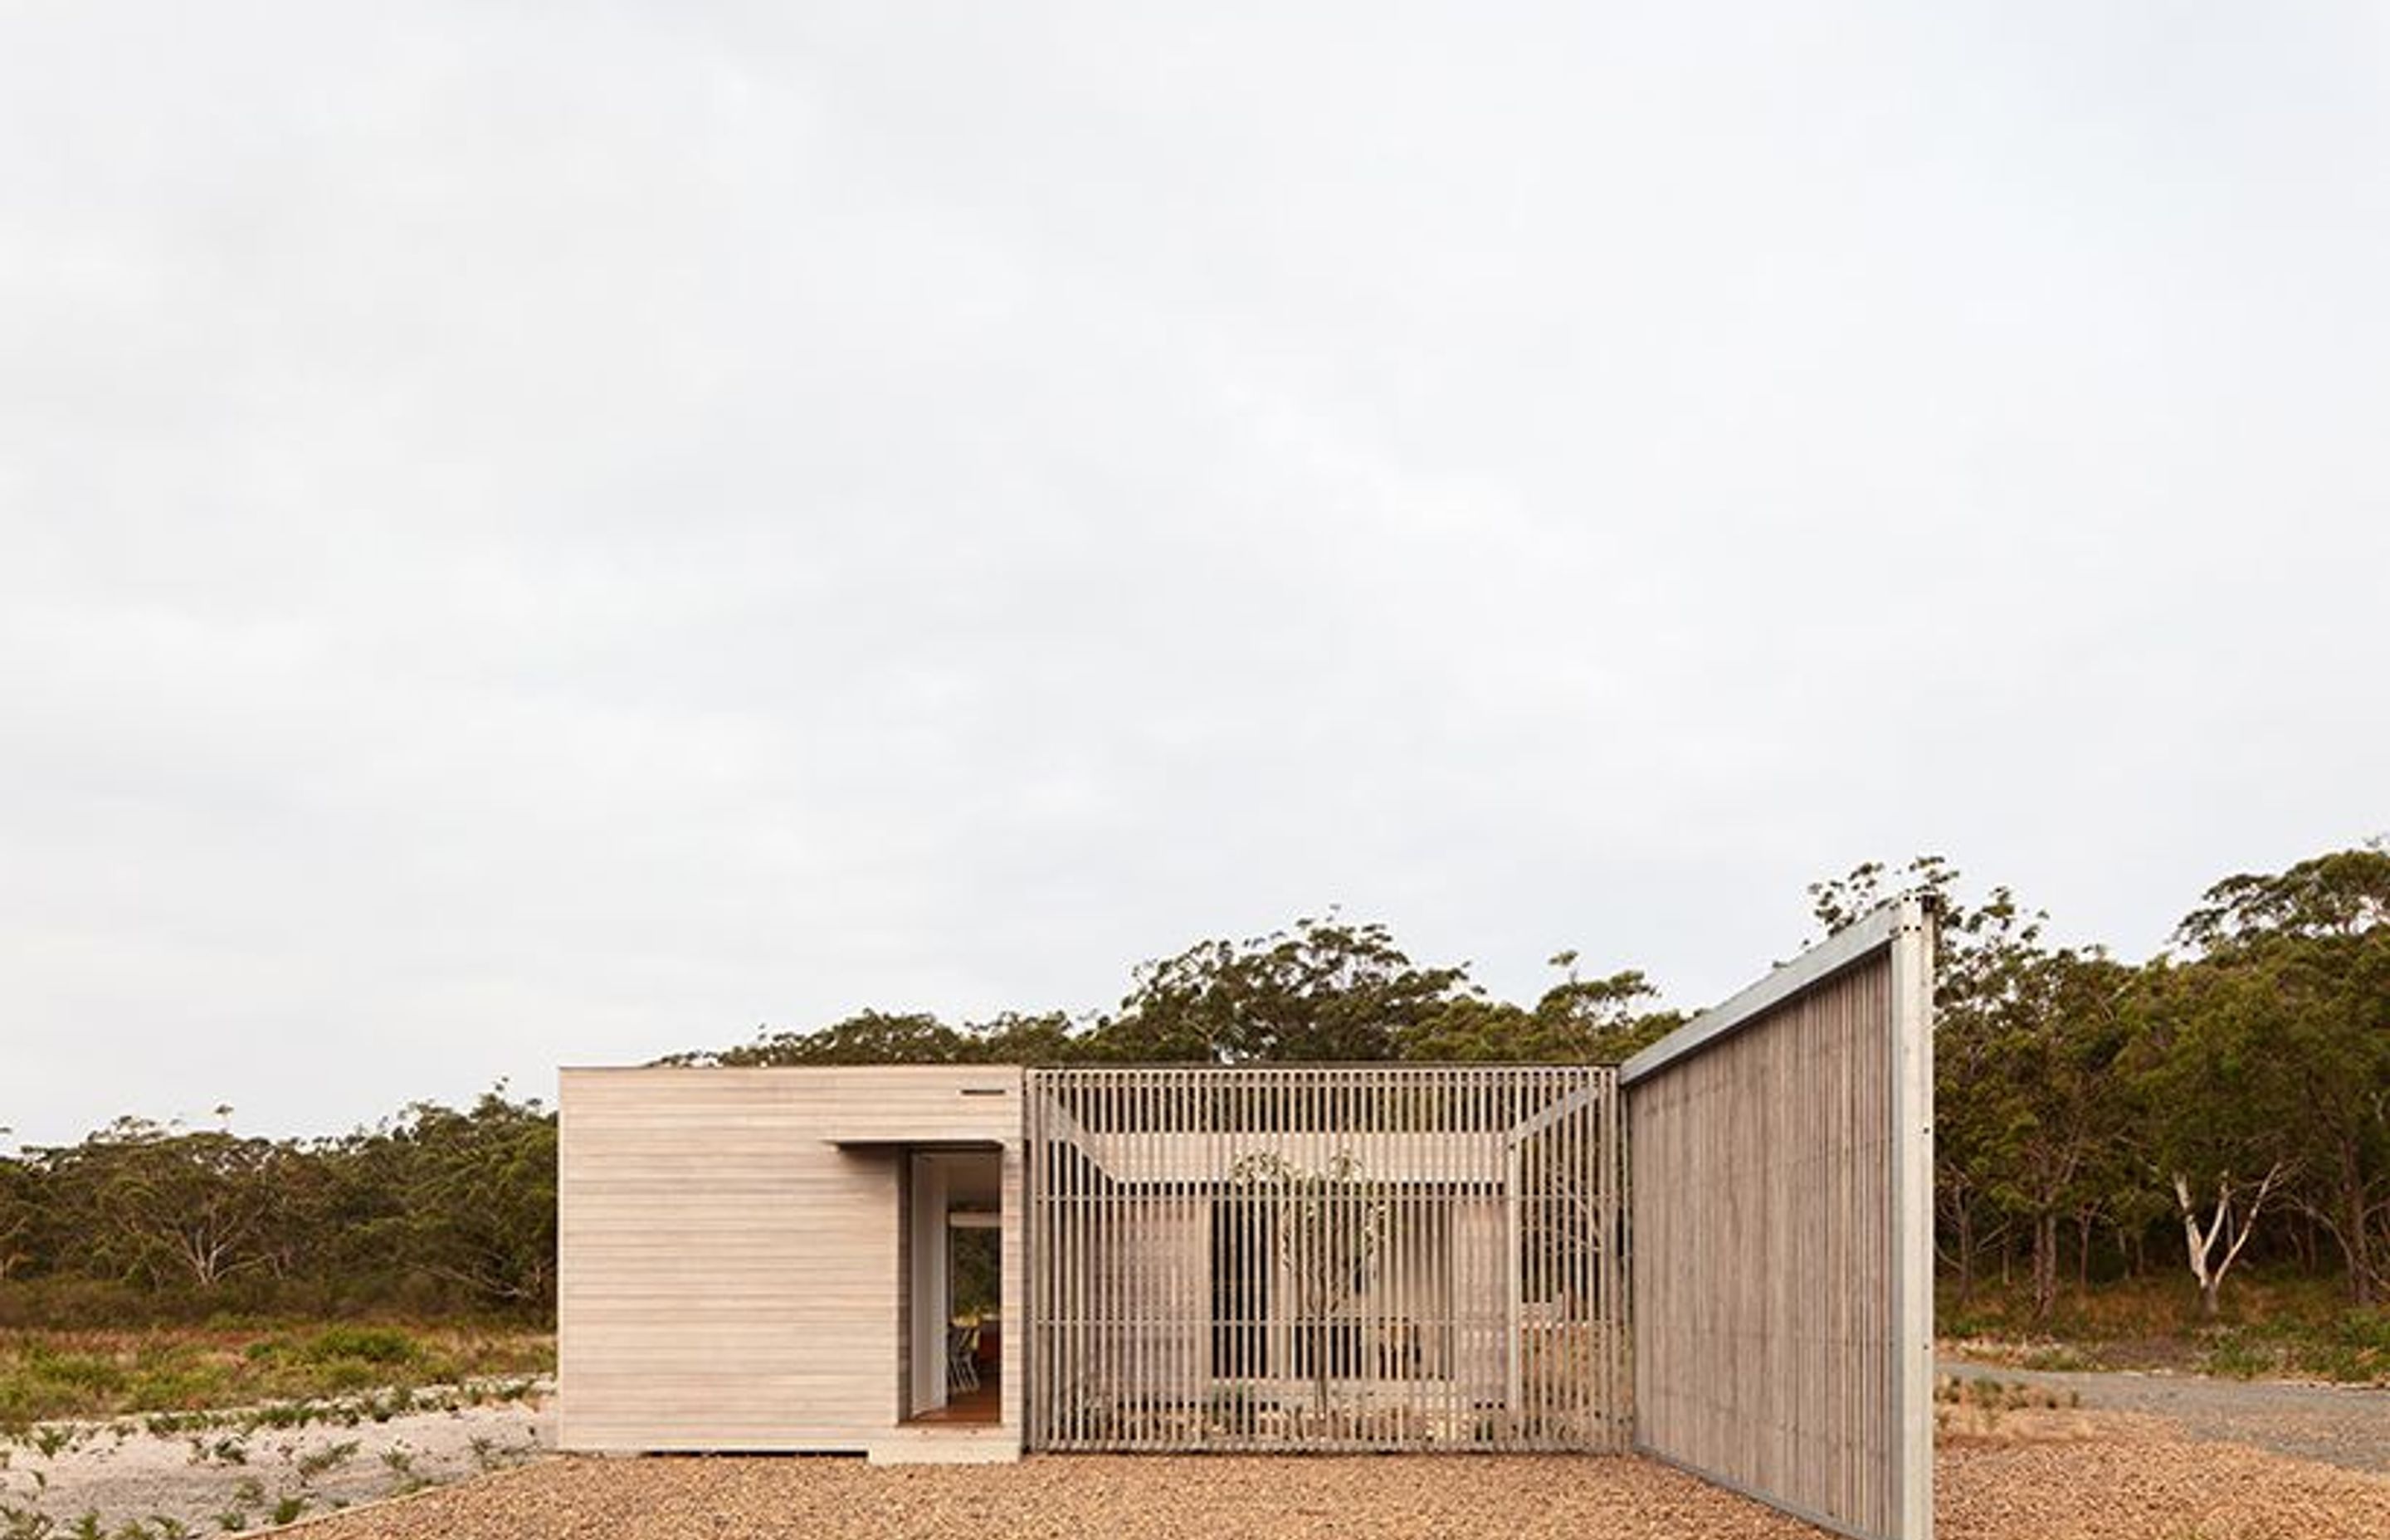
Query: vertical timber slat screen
[
  {"x": 1346, "y": 1258},
  {"x": 1781, "y": 1150}
]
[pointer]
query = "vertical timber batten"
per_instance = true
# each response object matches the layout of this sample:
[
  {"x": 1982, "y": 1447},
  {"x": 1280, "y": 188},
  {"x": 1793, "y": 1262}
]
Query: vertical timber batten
[
  {"x": 1325, "y": 1258},
  {"x": 1781, "y": 1147}
]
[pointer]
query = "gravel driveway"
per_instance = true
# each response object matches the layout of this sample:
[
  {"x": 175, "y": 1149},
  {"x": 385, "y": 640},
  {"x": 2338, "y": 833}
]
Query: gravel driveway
[
  {"x": 2150, "y": 1456},
  {"x": 2065, "y": 1476},
  {"x": 2344, "y": 1425},
  {"x": 1078, "y": 1498}
]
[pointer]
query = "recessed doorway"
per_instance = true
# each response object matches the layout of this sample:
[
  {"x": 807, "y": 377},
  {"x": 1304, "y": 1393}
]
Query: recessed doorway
[{"x": 955, "y": 1234}]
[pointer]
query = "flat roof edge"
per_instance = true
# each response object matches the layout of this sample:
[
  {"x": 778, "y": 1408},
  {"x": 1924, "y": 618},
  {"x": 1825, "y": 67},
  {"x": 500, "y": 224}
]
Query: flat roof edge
[
  {"x": 1372, "y": 1066},
  {"x": 787, "y": 1068}
]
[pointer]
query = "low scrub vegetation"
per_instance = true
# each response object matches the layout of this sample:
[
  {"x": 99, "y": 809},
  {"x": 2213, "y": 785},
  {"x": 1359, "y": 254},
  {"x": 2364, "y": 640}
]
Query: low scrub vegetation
[
  {"x": 2277, "y": 1324},
  {"x": 47, "y": 1375}
]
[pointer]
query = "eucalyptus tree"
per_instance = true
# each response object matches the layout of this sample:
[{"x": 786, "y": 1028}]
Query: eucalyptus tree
[
  {"x": 909, "y": 1037},
  {"x": 155, "y": 1204},
  {"x": 1325, "y": 989},
  {"x": 866, "y": 1037},
  {"x": 1577, "y": 1020},
  {"x": 21, "y": 1213},
  {"x": 1989, "y": 964},
  {"x": 2292, "y": 1009},
  {"x": 2059, "y": 1033},
  {"x": 2221, "y": 1103},
  {"x": 478, "y": 1196}
]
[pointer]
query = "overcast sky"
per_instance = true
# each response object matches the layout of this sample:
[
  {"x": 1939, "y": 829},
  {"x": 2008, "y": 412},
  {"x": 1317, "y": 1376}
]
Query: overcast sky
[{"x": 563, "y": 534}]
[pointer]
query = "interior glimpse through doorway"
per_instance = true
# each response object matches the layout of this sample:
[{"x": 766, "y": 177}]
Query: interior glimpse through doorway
[{"x": 957, "y": 1287}]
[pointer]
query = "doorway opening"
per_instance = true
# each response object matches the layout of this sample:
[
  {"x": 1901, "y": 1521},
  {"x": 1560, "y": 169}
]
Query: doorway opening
[{"x": 955, "y": 1234}]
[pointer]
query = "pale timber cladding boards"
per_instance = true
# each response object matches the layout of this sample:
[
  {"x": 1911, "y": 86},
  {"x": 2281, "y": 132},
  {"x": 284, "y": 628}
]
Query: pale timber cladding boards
[
  {"x": 1332, "y": 1258},
  {"x": 732, "y": 1250},
  {"x": 1781, "y": 1192}
]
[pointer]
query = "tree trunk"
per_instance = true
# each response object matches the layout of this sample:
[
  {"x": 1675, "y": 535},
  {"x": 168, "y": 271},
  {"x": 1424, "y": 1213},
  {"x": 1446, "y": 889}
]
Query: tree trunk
[
  {"x": 2045, "y": 1265},
  {"x": 2232, "y": 1230},
  {"x": 2358, "y": 1244}
]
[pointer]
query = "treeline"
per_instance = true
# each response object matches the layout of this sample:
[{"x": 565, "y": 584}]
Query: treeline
[
  {"x": 439, "y": 1212},
  {"x": 1325, "y": 990},
  {"x": 2225, "y": 1103}
]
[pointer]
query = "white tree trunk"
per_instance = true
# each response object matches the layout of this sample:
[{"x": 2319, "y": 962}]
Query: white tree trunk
[{"x": 2200, "y": 1242}]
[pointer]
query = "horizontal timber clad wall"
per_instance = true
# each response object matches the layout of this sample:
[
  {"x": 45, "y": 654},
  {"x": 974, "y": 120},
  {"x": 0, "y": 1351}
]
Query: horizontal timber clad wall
[
  {"x": 1781, "y": 1202},
  {"x": 1351, "y": 1257},
  {"x": 730, "y": 1278}
]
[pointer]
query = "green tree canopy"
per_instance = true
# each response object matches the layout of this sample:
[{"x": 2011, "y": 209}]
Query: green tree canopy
[
  {"x": 1325, "y": 990},
  {"x": 2276, "y": 1038}
]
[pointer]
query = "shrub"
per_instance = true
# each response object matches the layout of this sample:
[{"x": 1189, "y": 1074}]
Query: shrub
[{"x": 367, "y": 1345}]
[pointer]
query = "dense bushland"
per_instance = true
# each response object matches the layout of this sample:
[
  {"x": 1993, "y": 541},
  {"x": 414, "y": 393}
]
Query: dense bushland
[{"x": 439, "y": 1213}]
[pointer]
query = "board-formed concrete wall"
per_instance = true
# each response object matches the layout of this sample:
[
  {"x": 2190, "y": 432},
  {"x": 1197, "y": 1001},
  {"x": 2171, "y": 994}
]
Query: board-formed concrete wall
[{"x": 1781, "y": 1199}]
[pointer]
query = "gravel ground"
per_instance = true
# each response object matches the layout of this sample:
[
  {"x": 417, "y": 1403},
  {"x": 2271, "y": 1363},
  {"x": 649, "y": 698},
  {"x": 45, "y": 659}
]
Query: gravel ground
[
  {"x": 2002, "y": 1474},
  {"x": 2040, "y": 1476},
  {"x": 2345, "y": 1425},
  {"x": 2116, "y": 1476},
  {"x": 1071, "y": 1497}
]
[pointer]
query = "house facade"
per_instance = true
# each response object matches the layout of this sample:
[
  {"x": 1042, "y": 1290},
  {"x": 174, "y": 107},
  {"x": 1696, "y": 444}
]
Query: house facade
[{"x": 966, "y": 1262}]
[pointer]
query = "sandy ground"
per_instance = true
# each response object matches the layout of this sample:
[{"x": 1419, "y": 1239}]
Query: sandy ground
[
  {"x": 2035, "y": 1475},
  {"x": 220, "y": 1480}
]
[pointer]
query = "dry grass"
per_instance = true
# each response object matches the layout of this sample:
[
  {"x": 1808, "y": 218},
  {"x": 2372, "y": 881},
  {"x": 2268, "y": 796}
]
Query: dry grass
[{"x": 2045, "y": 1474}]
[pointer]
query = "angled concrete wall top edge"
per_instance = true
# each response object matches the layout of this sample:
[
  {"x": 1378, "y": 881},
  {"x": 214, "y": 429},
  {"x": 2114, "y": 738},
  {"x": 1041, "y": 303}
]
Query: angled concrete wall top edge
[{"x": 1838, "y": 951}]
